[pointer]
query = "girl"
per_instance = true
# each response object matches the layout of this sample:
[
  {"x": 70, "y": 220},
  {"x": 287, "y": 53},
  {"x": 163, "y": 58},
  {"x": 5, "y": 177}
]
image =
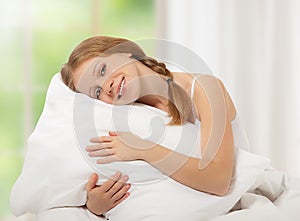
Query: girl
[{"x": 117, "y": 71}]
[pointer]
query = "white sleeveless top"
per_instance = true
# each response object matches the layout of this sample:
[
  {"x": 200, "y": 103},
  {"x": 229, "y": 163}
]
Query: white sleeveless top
[{"x": 239, "y": 134}]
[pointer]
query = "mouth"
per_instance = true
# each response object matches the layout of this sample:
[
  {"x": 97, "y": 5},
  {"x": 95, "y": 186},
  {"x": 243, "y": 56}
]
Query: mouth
[{"x": 121, "y": 88}]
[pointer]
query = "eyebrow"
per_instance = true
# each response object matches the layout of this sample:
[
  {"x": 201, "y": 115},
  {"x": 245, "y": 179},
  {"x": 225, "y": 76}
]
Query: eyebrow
[
  {"x": 90, "y": 92},
  {"x": 96, "y": 65},
  {"x": 93, "y": 74}
]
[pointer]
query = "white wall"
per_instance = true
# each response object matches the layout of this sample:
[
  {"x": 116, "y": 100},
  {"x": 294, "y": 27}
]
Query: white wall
[{"x": 254, "y": 47}]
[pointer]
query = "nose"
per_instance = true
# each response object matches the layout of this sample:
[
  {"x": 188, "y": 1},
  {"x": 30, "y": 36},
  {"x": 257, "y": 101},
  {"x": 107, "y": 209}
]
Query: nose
[{"x": 108, "y": 87}]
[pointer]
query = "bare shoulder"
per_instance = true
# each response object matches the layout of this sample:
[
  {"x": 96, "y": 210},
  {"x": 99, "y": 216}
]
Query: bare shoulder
[{"x": 200, "y": 95}]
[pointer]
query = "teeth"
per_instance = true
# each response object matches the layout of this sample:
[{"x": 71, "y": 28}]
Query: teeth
[{"x": 121, "y": 88}]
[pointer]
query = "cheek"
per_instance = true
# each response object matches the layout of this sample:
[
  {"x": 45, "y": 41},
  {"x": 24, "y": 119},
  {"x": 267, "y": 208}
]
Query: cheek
[
  {"x": 130, "y": 70},
  {"x": 106, "y": 99},
  {"x": 132, "y": 91}
]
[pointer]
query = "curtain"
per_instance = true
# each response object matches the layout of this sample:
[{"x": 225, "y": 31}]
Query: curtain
[{"x": 253, "y": 46}]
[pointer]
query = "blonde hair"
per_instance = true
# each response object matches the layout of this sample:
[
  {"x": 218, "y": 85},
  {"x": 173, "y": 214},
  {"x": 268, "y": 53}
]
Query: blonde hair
[{"x": 179, "y": 106}]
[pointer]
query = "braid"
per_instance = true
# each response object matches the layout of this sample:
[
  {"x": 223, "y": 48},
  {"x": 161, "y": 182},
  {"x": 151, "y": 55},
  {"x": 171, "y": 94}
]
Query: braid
[
  {"x": 156, "y": 66},
  {"x": 179, "y": 108}
]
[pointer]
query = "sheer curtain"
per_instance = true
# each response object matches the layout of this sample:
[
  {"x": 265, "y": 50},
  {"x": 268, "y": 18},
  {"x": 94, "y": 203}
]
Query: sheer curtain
[{"x": 254, "y": 47}]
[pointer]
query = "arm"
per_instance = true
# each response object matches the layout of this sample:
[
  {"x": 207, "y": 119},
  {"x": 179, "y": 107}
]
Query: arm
[
  {"x": 215, "y": 178},
  {"x": 213, "y": 172}
]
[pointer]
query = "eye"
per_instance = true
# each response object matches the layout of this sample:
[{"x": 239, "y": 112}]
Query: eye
[
  {"x": 103, "y": 69},
  {"x": 98, "y": 91}
]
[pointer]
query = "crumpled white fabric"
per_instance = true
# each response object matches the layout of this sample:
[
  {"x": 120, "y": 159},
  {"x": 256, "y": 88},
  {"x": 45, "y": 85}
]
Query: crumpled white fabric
[{"x": 274, "y": 196}]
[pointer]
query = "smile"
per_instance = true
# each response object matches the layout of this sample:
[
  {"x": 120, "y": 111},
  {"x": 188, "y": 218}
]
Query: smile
[{"x": 121, "y": 88}]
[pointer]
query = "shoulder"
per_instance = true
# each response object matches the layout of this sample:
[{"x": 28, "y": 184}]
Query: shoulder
[
  {"x": 206, "y": 77},
  {"x": 206, "y": 85}
]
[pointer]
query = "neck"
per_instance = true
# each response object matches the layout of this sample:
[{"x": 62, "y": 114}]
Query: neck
[
  {"x": 154, "y": 89},
  {"x": 155, "y": 101}
]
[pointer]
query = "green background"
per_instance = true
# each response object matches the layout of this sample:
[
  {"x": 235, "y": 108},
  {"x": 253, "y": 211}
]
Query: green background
[{"x": 55, "y": 28}]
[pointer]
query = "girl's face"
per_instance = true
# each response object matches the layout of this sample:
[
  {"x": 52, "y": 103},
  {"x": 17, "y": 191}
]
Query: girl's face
[{"x": 112, "y": 79}]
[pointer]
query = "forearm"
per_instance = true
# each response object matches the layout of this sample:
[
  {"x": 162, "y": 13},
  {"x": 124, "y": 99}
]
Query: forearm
[
  {"x": 210, "y": 175},
  {"x": 215, "y": 178}
]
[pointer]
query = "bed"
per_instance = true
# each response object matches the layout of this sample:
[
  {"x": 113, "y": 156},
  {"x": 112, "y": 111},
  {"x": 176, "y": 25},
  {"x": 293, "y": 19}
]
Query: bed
[{"x": 56, "y": 168}]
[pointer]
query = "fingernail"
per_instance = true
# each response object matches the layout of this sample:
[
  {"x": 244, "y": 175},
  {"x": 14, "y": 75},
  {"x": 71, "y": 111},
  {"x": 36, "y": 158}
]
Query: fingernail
[
  {"x": 117, "y": 174},
  {"x": 125, "y": 177}
]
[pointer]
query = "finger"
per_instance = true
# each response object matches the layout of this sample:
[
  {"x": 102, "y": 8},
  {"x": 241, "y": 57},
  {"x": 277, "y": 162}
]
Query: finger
[
  {"x": 118, "y": 185},
  {"x": 101, "y": 153},
  {"x": 113, "y": 133},
  {"x": 101, "y": 139},
  {"x": 107, "y": 159},
  {"x": 112, "y": 180},
  {"x": 126, "y": 195},
  {"x": 92, "y": 182},
  {"x": 99, "y": 146},
  {"x": 121, "y": 192}
]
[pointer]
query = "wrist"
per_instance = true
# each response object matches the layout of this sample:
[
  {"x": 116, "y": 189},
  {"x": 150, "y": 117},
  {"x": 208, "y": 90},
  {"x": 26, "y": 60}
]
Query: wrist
[
  {"x": 146, "y": 149},
  {"x": 150, "y": 154},
  {"x": 96, "y": 212}
]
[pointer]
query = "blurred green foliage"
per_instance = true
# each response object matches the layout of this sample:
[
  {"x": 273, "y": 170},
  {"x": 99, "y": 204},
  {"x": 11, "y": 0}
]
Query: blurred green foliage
[{"x": 57, "y": 26}]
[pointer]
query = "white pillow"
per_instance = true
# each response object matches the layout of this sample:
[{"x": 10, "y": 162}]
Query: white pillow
[
  {"x": 96, "y": 118},
  {"x": 57, "y": 167}
]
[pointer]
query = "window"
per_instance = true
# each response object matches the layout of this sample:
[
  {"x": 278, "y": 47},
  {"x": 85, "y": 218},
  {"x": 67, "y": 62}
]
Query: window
[{"x": 36, "y": 39}]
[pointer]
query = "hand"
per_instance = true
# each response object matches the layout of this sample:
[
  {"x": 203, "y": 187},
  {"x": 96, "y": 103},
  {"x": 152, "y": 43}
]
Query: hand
[
  {"x": 119, "y": 146},
  {"x": 102, "y": 198}
]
